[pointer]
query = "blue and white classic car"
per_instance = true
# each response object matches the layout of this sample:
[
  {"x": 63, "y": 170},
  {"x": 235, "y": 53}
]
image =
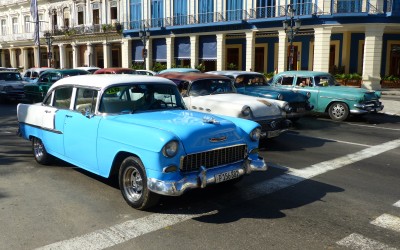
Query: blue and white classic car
[{"x": 138, "y": 129}]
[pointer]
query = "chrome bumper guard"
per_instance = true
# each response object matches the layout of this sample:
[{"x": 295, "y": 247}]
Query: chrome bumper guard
[
  {"x": 203, "y": 177},
  {"x": 366, "y": 108}
]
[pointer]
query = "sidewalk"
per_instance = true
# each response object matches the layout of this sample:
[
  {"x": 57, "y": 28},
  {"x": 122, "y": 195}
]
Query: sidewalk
[{"x": 392, "y": 107}]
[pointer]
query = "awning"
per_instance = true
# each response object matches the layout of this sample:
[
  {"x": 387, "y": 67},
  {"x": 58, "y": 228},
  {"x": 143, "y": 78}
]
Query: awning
[
  {"x": 159, "y": 50},
  {"x": 137, "y": 47},
  {"x": 208, "y": 48},
  {"x": 182, "y": 48}
]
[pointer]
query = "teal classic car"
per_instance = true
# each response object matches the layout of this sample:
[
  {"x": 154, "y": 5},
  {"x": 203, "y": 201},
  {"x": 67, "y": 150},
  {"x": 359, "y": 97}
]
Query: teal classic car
[
  {"x": 35, "y": 91},
  {"x": 138, "y": 130},
  {"x": 328, "y": 96}
]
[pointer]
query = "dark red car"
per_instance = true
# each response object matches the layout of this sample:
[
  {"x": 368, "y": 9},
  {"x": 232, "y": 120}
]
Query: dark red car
[{"x": 116, "y": 71}]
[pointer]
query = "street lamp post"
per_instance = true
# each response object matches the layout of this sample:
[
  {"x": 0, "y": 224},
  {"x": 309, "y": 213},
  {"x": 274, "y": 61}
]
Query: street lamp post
[
  {"x": 144, "y": 36},
  {"x": 291, "y": 26},
  {"x": 49, "y": 41}
]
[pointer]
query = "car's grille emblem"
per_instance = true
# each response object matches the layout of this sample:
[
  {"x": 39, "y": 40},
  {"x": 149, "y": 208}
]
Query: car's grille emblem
[{"x": 222, "y": 138}]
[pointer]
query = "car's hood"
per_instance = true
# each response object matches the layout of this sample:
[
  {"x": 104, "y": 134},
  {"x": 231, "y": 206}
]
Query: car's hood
[
  {"x": 16, "y": 85},
  {"x": 232, "y": 104},
  {"x": 194, "y": 129},
  {"x": 356, "y": 92},
  {"x": 271, "y": 92}
]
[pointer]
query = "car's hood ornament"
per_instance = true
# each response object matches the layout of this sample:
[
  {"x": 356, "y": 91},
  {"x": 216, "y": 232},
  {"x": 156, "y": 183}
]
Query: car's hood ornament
[
  {"x": 219, "y": 139},
  {"x": 210, "y": 119}
]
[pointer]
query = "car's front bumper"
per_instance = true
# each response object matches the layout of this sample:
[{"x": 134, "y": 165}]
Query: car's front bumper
[
  {"x": 203, "y": 177},
  {"x": 366, "y": 108}
]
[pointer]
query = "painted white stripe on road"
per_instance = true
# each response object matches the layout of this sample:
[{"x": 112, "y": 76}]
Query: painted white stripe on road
[
  {"x": 397, "y": 204},
  {"x": 123, "y": 232},
  {"x": 333, "y": 140},
  {"x": 387, "y": 221},
  {"x": 375, "y": 127},
  {"x": 357, "y": 241}
]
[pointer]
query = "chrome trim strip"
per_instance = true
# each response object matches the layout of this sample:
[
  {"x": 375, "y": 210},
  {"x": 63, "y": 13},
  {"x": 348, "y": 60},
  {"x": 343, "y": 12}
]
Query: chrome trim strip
[{"x": 43, "y": 128}]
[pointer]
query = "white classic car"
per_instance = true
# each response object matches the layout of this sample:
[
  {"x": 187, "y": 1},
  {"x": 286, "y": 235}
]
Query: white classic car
[
  {"x": 217, "y": 95},
  {"x": 137, "y": 128}
]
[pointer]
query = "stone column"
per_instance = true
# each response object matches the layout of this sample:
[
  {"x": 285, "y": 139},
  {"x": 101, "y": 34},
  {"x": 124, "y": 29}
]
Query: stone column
[
  {"x": 13, "y": 58},
  {"x": 282, "y": 51},
  {"x": 126, "y": 48},
  {"x": 36, "y": 55},
  {"x": 170, "y": 51},
  {"x": 75, "y": 55},
  {"x": 3, "y": 59},
  {"x": 107, "y": 54},
  {"x": 194, "y": 51},
  {"x": 372, "y": 57},
  {"x": 322, "y": 44},
  {"x": 89, "y": 54},
  {"x": 221, "y": 52},
  {"x": 250, "y": 50},
  {"x": 25, "y": 58},
  {"x": 63, "y": 61}
]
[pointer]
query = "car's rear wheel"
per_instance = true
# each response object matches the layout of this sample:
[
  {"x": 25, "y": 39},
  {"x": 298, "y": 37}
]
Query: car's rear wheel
[
  {"x": 133, "y": 184},
  {"x": 40, "y": 152},
  {"x": 338, "y": 111}
]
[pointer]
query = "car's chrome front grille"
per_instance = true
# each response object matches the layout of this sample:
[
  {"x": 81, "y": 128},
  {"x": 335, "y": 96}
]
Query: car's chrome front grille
[
  {"x": 213, "y": 158},
  {"x": 272, "y": 125}
]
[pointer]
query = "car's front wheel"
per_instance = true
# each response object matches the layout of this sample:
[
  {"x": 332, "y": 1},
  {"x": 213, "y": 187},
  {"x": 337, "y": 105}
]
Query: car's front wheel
[
  {"x": 338, "y": 111},
  {"x": 40, "y": 152},
  {"x": 133, "y": 184}
]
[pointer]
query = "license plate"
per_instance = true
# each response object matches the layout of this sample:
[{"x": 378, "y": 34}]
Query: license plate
[
  {"x": 226, "y": 176},
  {"x": 274, "y": 133}
]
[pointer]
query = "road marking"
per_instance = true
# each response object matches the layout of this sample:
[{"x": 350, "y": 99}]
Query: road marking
[
  {"x": 357, "y": 241},
  {"x": 375, "y": 127},
  {"x": 333, "y": 140},
  {"x": 128, "y": 230},
  {"x": 387, "y": 221},
  {"x": 397, "y": 204}
]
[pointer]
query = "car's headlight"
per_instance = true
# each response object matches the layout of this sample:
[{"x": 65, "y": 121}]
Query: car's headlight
[
  {"x": 308, "y": 95},
  {"x": 246, "y": 111},
  {"x": 170, "y": 149},
  {"x": 286, "y": 107},
  {"x": 280, "y": 97},
  {"x": 255, "y": 134}
]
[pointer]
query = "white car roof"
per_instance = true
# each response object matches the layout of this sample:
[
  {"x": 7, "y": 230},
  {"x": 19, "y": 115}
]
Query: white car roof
[{"x": 103, "y": 80}]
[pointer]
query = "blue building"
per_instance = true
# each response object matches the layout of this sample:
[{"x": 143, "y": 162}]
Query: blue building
[{"x": 349, "y": 36}]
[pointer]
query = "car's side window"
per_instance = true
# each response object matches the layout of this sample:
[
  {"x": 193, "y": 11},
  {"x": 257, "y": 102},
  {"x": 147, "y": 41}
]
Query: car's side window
[
  {"x": 27, "y": 74},
  {"x": 62, "y": 97},
  {"x": 85, "y": 100},
  {"x": 287, "y": 80},
  {"x": 44, "y": 78}
]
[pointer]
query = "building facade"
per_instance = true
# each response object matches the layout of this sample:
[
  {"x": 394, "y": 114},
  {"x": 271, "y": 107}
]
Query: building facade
[{"x": 349, "y": 36}]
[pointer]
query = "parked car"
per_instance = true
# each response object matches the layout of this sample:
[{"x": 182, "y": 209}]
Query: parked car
[
  {"x": 34, "y": 92},
  {"x": 116, "y": 71},
  {"x": 328, "y": 96},
  {"x": 32, "y": 75},
  {"x": 91, "y": 69},
  {"x": 145, "y": 72},
  {"x": 180, "y": 70},
  {"x": 216, "y": 95},
  {"x": 255, "y": 84},
  {"x": 138, "y": 129},
  {"x": 11, "y": 86}
]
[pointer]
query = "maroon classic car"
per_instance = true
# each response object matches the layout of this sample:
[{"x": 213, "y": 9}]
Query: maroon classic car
[{"x": 116, "y": 71}]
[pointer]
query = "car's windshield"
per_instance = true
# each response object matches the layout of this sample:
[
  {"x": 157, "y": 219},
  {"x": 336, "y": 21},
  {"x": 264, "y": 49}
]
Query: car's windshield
[
  {"x": 131, "y": 98},
  {"x": 325, "y": 80},
  {"x": 250, "y": 80},
  {"x": 10, "y": 76},
  {"x": 211, "y": 86}
]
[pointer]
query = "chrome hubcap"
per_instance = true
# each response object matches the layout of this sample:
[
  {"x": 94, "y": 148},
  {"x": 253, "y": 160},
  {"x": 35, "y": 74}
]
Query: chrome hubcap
[
  {"x": 133, "y": 184},
  {"x": 338, "y": 111},
  {"x": 38, "y": 149}
]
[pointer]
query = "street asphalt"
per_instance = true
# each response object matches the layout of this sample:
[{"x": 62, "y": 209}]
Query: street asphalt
[{"x": 391, "y": 100}]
